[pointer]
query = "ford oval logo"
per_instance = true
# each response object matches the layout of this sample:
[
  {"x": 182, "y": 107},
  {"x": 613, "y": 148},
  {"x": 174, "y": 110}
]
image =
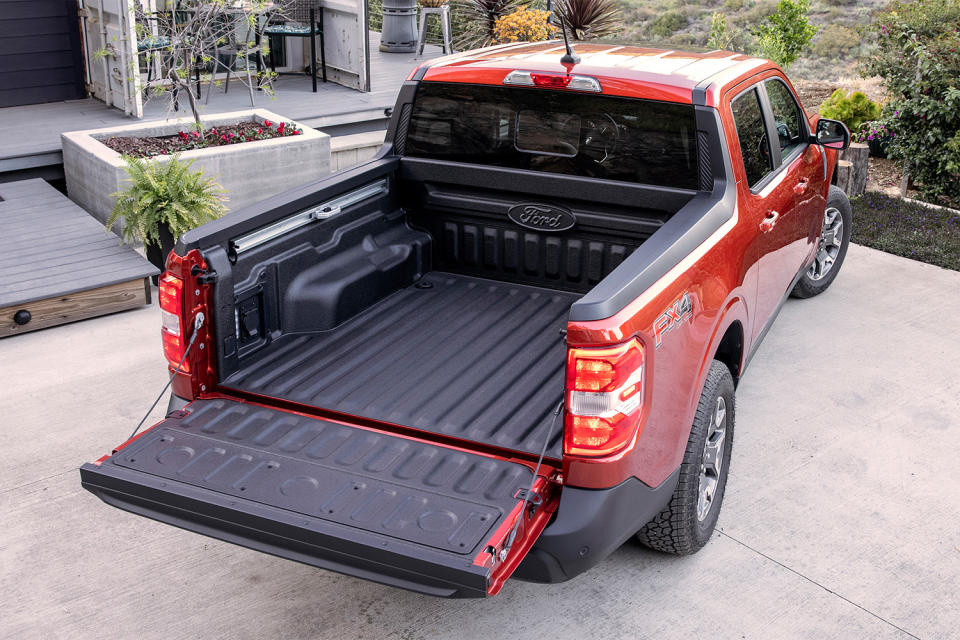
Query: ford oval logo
[{"x": 542, "y": 217}]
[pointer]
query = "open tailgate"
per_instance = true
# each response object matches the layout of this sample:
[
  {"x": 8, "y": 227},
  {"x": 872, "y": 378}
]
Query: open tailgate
[{"x": 378, "y": 506}]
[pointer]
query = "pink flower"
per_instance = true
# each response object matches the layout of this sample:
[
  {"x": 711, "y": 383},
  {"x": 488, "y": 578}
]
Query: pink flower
[
  {"x": 259, "y": 130},
  {"x": 196, "y": 134},
  {"x": 296, "y": 132},
  {"x": 267, "y": 123},
  {"x": 223, "y": 137}
]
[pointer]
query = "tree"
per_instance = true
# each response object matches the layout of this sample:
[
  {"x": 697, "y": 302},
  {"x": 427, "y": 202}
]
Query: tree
[
  {"x": 787, "y": 32},
  {"x": 187, "y": 40}
]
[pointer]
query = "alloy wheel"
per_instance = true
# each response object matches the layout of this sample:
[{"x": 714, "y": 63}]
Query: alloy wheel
[
  {"x": 831, "y": 239},
  {"x": 712, "y": 461}
]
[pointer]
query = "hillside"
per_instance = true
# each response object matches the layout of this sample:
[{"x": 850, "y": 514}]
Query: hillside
[{"x": 830, "y": 60}]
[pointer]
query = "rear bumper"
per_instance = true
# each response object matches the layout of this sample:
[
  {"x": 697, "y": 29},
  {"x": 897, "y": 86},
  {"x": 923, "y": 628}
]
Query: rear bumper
[
  {"x": 279, "y": 532},
  {"x": 590, "y": 524}
]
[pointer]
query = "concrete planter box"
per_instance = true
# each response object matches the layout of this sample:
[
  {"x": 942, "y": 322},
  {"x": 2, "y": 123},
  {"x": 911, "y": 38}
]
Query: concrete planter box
[{"x": 249, "y": 172}]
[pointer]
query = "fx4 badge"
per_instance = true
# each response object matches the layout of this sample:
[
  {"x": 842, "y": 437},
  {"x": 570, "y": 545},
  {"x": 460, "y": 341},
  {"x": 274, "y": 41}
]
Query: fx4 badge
[{"x": 672, "y": 317}]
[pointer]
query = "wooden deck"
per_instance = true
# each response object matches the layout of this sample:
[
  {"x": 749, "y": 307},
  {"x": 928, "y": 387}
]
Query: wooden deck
[
  {"x": 32, "y": 133},
  {"x": 58, "y": 264}
]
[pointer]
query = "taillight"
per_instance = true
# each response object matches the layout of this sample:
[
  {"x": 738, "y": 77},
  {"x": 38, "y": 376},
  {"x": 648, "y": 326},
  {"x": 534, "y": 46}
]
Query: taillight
[
  {"x": 604, "y": 398},
  {"x": 553, "y": 81},
  {"x": 171, "y": 313}
]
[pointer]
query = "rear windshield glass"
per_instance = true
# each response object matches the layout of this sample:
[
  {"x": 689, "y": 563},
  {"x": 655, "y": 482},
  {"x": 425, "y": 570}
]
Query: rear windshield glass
[{"x": 580, "y": 134}]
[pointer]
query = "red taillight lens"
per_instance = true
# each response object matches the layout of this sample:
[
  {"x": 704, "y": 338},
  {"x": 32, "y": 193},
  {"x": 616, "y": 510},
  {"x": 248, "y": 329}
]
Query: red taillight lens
[
  {"x": 550, "y": 80},
  {"x": 604, "y": 398},
  {"x": 171, "y": 313}
]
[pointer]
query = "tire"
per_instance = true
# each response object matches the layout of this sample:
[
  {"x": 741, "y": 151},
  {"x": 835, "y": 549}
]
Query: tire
[
  {"x": 680, "y": 528},
  {"x": 810, "y": 284}
]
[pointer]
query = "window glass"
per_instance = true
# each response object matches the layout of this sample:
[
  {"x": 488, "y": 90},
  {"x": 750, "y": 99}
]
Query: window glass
[
  {"x": 584, "y": 134},
  {"x": 791, "y": 130},
  {"x": 554, "y": 133},
  {"x": 754, "y": 146}
]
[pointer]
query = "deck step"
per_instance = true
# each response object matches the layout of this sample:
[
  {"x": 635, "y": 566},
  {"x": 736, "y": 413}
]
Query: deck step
[{"x": 58, "y": 265}]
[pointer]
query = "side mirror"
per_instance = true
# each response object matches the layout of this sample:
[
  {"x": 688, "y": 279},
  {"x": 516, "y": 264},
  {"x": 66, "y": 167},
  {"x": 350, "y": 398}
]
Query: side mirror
[{"x": 832, "y": 134}]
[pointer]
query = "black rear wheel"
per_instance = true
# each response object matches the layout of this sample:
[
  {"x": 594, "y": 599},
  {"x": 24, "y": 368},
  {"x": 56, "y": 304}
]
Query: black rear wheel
[
  {"x": 688, "y": 521},
  {"x": 831, "y": 248}
]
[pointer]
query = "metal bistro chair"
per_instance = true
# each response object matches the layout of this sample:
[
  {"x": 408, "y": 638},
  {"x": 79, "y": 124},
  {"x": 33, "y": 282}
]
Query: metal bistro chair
[
  {"x": 305, "y": 20},
  {"x": 231, "y": 49}
]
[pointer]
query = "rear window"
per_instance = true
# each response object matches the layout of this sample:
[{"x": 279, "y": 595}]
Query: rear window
[{"x": 606, "y": 137}]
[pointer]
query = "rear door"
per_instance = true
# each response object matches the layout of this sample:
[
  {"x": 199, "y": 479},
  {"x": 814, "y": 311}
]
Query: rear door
[
  {"x": 392, "y": 509},
  {"x": 765, "y": 199}
]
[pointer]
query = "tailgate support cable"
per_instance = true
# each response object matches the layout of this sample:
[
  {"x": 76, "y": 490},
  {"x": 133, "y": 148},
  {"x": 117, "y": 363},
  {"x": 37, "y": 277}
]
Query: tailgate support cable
[
  {"x": 197, "y": 323},
  {"x": 528, "y": 495}
]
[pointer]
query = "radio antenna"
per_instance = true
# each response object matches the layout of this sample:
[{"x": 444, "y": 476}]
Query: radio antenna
[{"x": 570, "y": 57}]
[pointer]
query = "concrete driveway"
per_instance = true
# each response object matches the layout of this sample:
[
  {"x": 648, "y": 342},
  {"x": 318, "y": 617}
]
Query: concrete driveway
[{"x": 841, "y": 520}]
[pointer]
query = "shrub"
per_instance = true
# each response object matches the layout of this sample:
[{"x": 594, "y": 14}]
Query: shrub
[
  {"x": 835, "y": 42},
  {"x": 786, "y": 33},
  {"x": 853, "y": 110},
  {"x": 917, "y": 57},
  {"x": 719, "y": 38},
  {"x": 522, "y": 25},
  {"x": 587, "y": 19},
  {"x": 666, "y": 24},
  {"x": 165, "y": 192}
]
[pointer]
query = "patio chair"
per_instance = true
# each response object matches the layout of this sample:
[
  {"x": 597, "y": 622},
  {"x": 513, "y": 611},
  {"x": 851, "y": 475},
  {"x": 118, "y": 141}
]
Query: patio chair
[
  {"x": 303, "y": 19},
  {"x": 156, "y": 42},
  {"x": 230, "y": 48}
]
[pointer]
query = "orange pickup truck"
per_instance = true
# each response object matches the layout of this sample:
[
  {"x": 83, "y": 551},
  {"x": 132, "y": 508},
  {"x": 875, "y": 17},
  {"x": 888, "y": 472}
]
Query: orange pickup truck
[{"x": 507, "y": 344}]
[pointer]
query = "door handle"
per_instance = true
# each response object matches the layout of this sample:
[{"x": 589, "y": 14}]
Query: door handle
[
  {"x": 801, "y": 186},
  {"x": 770, "y": 221}
]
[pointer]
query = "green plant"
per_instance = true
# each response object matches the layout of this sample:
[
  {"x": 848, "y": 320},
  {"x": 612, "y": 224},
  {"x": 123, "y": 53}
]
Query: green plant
[
  {"x": 588, "y": 19},
  {"x": 164, "y": 192},
  {"x": 917, "y": 56},
  {"x": 666, "y": 24},
  {"x": 477, "y": 21},
  {"x": 786, "y": 33},
  {"x": 375, "y": 11},
  {"x": 719, "y": 32},
  {"x": 853, "y": 110}
]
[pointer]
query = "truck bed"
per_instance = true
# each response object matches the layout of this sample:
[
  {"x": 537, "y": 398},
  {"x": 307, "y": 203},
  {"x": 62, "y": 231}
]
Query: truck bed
[{"x": 465, "y": 357}]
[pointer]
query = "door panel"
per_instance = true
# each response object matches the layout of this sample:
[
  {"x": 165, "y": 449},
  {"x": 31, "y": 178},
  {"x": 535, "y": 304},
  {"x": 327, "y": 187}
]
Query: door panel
[
  {"x": 111, "y": 49},
  {"x": 347, "y": 43},
  {"x": 777, "y": 204}
]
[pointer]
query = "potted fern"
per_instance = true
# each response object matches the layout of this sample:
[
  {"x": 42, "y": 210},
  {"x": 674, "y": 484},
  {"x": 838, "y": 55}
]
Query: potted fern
[{"x": 164, "y": 200}]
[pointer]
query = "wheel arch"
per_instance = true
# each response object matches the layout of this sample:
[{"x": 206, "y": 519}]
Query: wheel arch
[
  {"x": 730, "y": 350},
  {"x": 727, "y": 343}
]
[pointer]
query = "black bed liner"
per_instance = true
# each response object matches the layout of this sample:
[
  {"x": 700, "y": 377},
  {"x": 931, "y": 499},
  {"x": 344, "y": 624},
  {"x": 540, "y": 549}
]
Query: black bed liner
[
  {"x": 464, "y": 357},
  {"x": 368, "y": 504}
]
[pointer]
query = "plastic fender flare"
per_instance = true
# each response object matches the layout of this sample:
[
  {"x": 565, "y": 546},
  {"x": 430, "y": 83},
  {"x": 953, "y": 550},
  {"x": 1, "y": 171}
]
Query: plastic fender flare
[{"x": 734, "y": 310}]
